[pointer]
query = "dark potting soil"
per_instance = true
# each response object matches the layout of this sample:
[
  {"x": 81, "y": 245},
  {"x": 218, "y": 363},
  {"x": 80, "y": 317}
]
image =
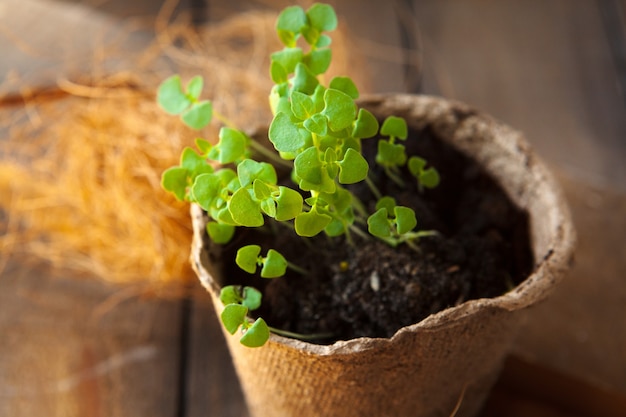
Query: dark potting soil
[{"x": 371, "y": 289}]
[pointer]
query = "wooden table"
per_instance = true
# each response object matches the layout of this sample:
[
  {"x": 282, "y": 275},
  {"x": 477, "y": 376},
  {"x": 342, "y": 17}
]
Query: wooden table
[{"x": 553, "y": 69}]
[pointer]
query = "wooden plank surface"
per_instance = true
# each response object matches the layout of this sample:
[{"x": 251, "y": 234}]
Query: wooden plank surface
[
  {"x": 66, "y": 348},
  {"x": 64, "y": 353},
  {"x": 546, "y": 68},
  {"x": 543, "y": 67},
  {"x": 212, "y": 385},
  {"x": 44, "y": 40}
]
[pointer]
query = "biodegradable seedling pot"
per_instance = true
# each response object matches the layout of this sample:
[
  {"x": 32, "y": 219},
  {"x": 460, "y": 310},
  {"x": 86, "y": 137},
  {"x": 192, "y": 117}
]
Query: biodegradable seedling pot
[{"x": 449, "y": 359}]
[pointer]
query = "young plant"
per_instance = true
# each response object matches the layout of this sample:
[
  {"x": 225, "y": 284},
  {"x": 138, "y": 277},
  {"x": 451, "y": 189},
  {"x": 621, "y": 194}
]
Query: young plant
[{"x": 317, "y": 131}]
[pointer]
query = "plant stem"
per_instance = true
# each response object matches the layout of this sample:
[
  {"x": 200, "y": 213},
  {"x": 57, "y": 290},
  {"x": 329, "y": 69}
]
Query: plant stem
[
  {"x": 373, "y": 187},
  {"x": 298, "y": 269},
  {"x": 395, "y": 178},
  {"x": 305, "y": 337},
  {"x": 359, "y": 232},
  {"x": 225, "y": 120},
  {"x": 268, "y": 154}
]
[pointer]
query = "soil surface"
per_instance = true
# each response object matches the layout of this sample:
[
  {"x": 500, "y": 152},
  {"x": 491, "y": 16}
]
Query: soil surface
[{"x": 371, "y": 289}]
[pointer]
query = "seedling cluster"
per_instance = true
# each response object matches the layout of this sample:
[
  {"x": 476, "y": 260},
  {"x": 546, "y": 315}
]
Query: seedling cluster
[{"x": 317, "y": 132}]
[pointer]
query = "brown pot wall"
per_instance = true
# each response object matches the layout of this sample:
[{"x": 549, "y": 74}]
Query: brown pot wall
[{"x": 454, "y": 355}]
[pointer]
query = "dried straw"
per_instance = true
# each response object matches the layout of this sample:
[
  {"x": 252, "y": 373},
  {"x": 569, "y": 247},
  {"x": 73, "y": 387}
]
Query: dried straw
[{"x": 81, "y": 163}]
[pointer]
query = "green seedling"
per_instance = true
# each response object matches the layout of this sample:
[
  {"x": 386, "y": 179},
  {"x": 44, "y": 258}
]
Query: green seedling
[
  {"x": 317, "y": 132},
  {"x": 394, "y": 224},
  {"x": 238, "y": 302}
]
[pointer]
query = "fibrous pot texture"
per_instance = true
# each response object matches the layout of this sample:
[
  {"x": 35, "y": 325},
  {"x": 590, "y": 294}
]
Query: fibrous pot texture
[{"x": 451, "y": 357}]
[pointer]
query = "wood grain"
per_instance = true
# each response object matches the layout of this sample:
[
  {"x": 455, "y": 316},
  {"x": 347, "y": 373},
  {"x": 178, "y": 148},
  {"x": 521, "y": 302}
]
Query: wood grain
[
  {"x": 543, "y": 67},
  {"x": 213, "y": 388},
  {"x": 546, "y": 68},
  {"x": 62, "y": 355}
]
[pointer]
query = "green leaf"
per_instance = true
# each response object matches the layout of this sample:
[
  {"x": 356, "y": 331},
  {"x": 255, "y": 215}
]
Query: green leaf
[
  {"x": 335, "y": 228},
  {"x": 278, "y": 73},
  {"x": 220, "y": 233},
  {"x": 386, "y": 202},
  {"x": 291, "y": 19},
  {"x": 318, "y": 60},
  {"x": 251, "y": 298},
  {"x": 378, "y": 224},
  {"x": 233, "y": 316},
  {"x": 354, "y": 167},
  {"x": 310, "y": 34},
  {"x": 274, "y": 265},
  {"x": 284, "y": 135},
  {"x": 341, "y": 200},
  {"x": 268, "y": 206},
  {"x": 199, "y": 115},
  {"x": 302, "y": 105},
  {"x": 339, "y": 109},
  {"x": 287, "y": 38},
  {"x": 206, "y": 189},
  {"x": 248, "y": 257},
  {"x": 345, "y": 85},
  {"x": 405, "y": 219},
  {"x": 250, "y": 170},
  {"x": 223, "y": 216},
  {"x": 429, "y": 178},
  {"x": 230, "y": 295},
  {"x": 171, "y": 96},
  {"x": 323, "y": 41},
  {"x": 231, "y": 146},
  {"x": 318, "y": 124},
  {"x": 174, "y": 180},
  {"x": 257, "y": 335},
  {"x": 311, "y": 223},
  {"x": 390, "y": 154},
  {"x": 416, "y": 165},
  {"x": 304, "y": 80},
  {"x": 365, "y": 125},
  {"x": 194, "y": 87},
  {"x": 194, "y": 163},
  {"x": 244, "y": 210},
  {"x": 289, "y": 204},
  {"x": 261, "y": 190},
  {"x": 203, "y": 145},
  {"x": 322, "y": 17},
  {"x": 395, "y": 127},
  {"x": 308, "y": 166},
  {"x": 330, "y": 155},
  {"x": 318, "y": 97},
  {"x": 288, "y": 58}
]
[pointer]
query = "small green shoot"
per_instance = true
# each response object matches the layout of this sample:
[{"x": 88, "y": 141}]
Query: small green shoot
[
  {"x": 176, "y": 100},
  {"x": 426, "y": 177},
  {"x": 317, "y": 131},
  {"x": 238, "y": 302}
]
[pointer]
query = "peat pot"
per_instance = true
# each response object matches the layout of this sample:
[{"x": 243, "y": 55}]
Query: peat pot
[{"x": 451, "y": 357}]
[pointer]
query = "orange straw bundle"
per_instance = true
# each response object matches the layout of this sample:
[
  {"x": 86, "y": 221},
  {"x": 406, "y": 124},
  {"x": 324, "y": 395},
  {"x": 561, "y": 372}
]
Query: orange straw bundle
[{"x": 80, "y": 169}]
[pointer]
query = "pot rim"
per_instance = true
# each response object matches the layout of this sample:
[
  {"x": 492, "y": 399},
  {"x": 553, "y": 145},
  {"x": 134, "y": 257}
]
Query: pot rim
[{"x": 550, "y": 264}]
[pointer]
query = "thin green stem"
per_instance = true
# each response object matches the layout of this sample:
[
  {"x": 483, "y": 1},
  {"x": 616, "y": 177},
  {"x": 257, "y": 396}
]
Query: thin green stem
[
  {"x": 359, "y": 232},
  {"x": 300, "y": 336},
  {"x": 412, "y": 245},
  {"x": 373, "y": 187},
  {"x": 394, "y": 177},
  {"x": 298, "y": 269},
  {"x": 268, "y": 153},
  {"x": 219, "y": 116}
]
